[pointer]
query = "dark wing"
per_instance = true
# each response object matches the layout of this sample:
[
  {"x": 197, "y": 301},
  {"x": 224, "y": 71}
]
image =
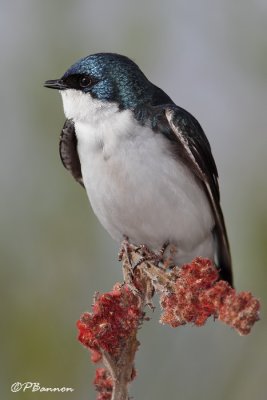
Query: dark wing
[
  {"x": 68, "y": 151},
  {"x": 196, "y": 152}
]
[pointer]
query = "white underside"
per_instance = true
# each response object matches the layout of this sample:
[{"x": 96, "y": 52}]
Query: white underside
[{"x": 135, "y": 185}]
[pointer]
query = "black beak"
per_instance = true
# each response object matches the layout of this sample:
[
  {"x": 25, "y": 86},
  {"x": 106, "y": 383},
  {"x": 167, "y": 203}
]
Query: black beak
[{"x": 55, "y": 84}]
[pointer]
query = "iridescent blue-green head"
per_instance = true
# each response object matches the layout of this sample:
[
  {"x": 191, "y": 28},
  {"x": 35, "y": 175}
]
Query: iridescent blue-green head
[{"x": 110, "y": 77}]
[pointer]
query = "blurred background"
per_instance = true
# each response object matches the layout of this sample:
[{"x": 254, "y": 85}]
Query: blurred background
[{"x": 211, "y": 58}]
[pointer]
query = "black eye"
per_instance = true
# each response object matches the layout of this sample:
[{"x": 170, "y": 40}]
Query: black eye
[{"x": 85, "y": 81}]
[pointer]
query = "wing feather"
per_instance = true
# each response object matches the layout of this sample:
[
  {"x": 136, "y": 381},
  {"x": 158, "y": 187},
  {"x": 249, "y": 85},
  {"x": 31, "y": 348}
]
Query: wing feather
[
  {"x": 68, "y": 151},
  {"x": 197, "y": 154}
]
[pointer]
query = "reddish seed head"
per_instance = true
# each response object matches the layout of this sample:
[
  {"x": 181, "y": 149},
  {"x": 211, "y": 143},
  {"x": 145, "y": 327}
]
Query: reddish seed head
[
  {"x": 115, "y": 316},
  {"x": 197, "y": 294}
]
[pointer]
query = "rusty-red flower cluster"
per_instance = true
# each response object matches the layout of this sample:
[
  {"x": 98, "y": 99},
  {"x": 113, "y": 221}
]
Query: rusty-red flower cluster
[
  {"x": 116, "y": 315},
  {"x": 188, "y": 294},
  {"x": 198, "y": 293}
]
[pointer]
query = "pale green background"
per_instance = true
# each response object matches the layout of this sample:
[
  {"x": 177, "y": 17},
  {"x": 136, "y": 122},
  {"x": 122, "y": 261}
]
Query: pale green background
[{"x": 211, "y": 58}]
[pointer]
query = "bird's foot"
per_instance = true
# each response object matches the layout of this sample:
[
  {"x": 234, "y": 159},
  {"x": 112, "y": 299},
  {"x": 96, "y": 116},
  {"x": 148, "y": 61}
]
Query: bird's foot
[
  {"x": 142, "y": 272},
  {"x": 134, "y": 277},
  {"x": 148, "y": 255}
]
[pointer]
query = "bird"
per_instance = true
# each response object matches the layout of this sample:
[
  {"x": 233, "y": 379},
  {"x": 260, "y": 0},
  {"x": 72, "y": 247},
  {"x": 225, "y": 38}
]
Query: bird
[{"x": 145, "y": 162}]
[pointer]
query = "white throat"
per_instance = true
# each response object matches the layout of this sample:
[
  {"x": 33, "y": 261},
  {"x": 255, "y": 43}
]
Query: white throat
[
  {"x": 81, "y": 107},
  {"x": 99, "y": 125}
]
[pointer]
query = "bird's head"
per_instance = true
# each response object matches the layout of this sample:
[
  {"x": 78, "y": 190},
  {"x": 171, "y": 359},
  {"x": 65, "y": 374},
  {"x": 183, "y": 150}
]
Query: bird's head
[{"x": 102, "y": 81}]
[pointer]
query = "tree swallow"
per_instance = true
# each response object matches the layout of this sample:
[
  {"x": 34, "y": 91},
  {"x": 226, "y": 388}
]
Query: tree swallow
[{"x": 145, "y": 162}]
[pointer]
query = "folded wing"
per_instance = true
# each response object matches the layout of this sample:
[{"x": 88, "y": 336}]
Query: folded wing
[
  {"x": 68, "y": 151},
  {"x": 196, "y": 152}
]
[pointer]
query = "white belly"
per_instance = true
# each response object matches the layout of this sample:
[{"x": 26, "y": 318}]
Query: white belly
[{"x": 137, "y": 188}]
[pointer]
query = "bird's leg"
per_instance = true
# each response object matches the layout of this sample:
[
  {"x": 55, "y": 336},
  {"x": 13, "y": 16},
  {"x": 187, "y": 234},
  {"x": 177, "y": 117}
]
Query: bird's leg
[
  {"x": 134, "y": 277},
  {"x": 168, "y": 262},
  {"x": 125, "y": 249},
  {"x": 125, "y": 252},
  {"x": 125, "y": 255},
  {"x": 164, "y": 247}
]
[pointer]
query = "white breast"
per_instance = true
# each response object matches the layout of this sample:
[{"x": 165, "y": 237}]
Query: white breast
[{"x": 135, "y": 186}]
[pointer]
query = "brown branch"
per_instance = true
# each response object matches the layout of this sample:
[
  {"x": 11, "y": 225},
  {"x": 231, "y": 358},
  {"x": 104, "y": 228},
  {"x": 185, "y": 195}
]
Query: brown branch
[{"x": 122, "y": 371}]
